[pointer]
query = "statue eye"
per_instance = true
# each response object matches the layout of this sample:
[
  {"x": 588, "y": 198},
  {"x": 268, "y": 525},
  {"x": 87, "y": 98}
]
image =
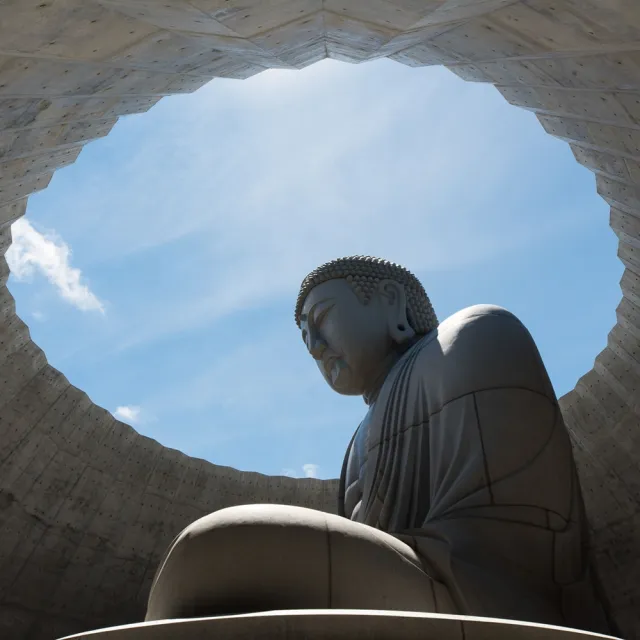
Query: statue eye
[
  {"x": 304, "y": 336},
  {"x": 317, "y": 321}
]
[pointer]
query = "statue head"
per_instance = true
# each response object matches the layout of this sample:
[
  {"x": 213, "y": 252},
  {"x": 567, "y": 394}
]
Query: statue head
[{"x": 357, "y": 315}]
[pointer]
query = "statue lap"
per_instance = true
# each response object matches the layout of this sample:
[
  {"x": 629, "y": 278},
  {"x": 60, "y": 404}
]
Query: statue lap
[{"x": 254, "y": 558}]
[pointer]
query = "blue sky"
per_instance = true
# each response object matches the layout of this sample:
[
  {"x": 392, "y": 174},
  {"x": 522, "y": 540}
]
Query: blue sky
[{"x": 159, "y": 272}]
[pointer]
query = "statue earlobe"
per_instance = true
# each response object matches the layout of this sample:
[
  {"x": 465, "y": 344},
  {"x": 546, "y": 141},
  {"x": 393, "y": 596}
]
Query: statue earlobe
[{"x": 394, "y": 294}]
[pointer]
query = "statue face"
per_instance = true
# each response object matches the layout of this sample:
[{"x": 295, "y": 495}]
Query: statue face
[{"x": 348, "y": 340}]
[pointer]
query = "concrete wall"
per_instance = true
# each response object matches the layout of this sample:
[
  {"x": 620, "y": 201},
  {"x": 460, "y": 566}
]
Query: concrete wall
[{"x": 86, "y": 503}]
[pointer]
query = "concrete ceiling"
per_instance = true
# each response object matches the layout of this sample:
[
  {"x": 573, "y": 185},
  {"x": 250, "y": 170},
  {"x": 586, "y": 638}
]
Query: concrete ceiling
[{"x": 87, "y": 505}]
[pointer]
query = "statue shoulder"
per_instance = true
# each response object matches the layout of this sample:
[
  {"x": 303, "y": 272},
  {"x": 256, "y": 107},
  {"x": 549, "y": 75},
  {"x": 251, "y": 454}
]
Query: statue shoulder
[
  {"x": 481, "y": 313},
  {"x": 486, "y": 323},
  {"x": 481, "y": 347}
]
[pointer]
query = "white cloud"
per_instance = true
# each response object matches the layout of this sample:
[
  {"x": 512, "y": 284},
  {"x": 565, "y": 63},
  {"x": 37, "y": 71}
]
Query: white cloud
[
  {"x": 32, "y": 252},
  {"x": 310, "y": 470},
  {"x": 39, "y": 316},
  {"x": 129, "y": 414}
]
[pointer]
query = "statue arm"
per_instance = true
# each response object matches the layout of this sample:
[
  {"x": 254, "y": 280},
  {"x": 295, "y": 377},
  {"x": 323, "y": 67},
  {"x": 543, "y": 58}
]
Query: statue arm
[
  {"x": 500, "y": 487},
  {"x": 343, "y": 478}
]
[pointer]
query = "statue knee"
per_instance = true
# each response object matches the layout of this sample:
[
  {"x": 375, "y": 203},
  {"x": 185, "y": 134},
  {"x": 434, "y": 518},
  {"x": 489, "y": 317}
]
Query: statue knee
[{"x": 272, "y": 557}]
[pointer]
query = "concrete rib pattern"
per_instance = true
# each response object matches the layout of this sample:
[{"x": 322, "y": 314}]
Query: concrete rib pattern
[{"x": 87, "y": 505}]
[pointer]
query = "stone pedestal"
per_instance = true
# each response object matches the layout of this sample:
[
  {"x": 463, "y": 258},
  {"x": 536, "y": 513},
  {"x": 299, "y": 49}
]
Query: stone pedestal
[{"x": 336, "y": 624}]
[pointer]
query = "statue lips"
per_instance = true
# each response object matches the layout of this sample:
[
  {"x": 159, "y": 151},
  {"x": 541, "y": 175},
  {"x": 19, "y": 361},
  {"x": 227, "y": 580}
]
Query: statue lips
[
  {"x": 336, "y": 372},
  {"x": 329, "y": 361}
]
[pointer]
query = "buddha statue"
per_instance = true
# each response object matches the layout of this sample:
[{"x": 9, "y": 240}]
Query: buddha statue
[{"x": 458, "y": 492}]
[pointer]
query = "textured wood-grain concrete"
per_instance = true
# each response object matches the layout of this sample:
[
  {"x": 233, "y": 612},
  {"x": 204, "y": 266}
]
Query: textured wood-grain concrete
[{"x": 86, "y": 503}]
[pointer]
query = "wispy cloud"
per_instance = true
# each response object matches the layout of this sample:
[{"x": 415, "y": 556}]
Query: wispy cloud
[
  {"x": 289, "y": 181},
  {"x": 246, "y": 379},
  {"x": 128, "y": 414},
  {"x": 39, "y": 316},
  {"x": 46, "y": 253},
  {"x": 271, "y": 197}
]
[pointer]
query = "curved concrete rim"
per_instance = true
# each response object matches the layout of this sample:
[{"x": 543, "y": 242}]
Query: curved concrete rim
[
  {"x": 87, "y": 505},
  {"x": 339, "y": 624}
]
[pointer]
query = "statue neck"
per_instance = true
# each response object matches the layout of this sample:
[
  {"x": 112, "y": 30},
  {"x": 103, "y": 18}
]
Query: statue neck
[{"x": 389, "y": 362}]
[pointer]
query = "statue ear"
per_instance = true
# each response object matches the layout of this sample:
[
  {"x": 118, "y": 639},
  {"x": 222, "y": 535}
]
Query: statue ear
[{"x": 394, "y": 299}]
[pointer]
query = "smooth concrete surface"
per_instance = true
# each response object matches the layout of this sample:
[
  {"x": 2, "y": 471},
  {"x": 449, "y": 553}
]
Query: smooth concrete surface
[
  {"x": 87, "y": 505},
  {"x": 338, "y": 624}
]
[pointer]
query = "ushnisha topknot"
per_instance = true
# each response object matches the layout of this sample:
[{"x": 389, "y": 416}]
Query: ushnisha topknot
[{"x": 364, "y": 273}]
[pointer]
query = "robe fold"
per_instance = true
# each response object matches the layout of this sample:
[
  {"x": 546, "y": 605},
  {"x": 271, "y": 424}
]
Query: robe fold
[{"x": 464, "y": 456}]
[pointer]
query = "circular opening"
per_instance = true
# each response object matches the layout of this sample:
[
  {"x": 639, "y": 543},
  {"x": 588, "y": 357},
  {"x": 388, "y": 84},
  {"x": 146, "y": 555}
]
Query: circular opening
[{"x": 191, "y": 227}]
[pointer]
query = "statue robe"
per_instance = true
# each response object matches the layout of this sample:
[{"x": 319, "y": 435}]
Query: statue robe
[{"x": 464, "y": 456}]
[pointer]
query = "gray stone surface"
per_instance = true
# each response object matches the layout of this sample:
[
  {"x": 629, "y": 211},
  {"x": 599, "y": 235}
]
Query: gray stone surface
[{"x": 70, "y": 68}]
